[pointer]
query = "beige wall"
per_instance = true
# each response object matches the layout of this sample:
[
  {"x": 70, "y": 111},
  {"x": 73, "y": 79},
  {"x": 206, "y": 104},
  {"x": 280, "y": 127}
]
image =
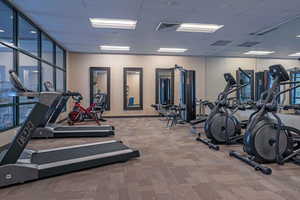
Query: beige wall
[
  {"x": 78, "y": 76},
  {"x": 209, "y": 74},
  {"x": 216, "y": 67}
]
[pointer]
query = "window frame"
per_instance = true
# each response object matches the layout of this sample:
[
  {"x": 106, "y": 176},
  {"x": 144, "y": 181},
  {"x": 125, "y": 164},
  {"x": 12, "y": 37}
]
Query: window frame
[{"x": 16, "y": 50}]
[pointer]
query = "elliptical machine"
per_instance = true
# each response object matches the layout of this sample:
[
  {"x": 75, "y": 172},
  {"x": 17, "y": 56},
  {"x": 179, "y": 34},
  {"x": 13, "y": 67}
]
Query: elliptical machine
[
  {"x": 221, "y": 126},
  {"x": 267, "y": 139}
]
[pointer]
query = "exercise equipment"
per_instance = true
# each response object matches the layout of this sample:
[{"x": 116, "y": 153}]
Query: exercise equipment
[
  {"x": 267, "y": 139},
  {"x": 187, "y": 93},
  {"x": 19, "y": 165},
  {"x": 93, "y": 112},
  {"x": 201, "y": 116},
  {"x": 48, "y": 129},
  {"x": 221, "y": 126}
]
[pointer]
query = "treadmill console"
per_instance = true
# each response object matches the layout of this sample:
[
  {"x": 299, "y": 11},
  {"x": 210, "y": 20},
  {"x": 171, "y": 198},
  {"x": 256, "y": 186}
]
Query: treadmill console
[
  {"x": 229, "y": 79},
  {"x": 16, "y": 82},
  {"x": 280, "y": 72},
  {"x": 49, "y": 86}
]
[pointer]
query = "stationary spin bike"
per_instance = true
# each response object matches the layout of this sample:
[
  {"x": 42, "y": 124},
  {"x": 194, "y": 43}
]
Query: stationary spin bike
[
  {"x": 221, "y": 126},
  {"x": 267, "y": 139},
  {"x": 94, "y": 111}
]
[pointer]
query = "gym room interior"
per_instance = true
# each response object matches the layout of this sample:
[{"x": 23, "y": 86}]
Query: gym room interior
[{"x": 149, "y": 100}]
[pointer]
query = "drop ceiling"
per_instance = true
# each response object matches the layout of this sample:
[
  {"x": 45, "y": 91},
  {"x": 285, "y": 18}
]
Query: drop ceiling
[{"x": 68, "y": 22}]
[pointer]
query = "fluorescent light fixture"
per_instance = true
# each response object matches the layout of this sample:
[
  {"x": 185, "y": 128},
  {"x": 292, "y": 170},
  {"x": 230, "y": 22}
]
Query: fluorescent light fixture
[
  {"x": 33, "y": 32},
  {"x": 113, "y": 23},
  {"x": 259, "y": 53},
  {"x": 2, "y": 31},
  {"x": 295, "y": 54},
  {"x": 171, "y": 50},
  {"x": 114, "y": 48},
  {"x": 298, "y": 36},
  {"x": 204, "y": 28}
]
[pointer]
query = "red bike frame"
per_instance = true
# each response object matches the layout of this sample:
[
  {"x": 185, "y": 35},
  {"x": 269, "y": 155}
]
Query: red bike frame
[{"x": 79, "y": 111}]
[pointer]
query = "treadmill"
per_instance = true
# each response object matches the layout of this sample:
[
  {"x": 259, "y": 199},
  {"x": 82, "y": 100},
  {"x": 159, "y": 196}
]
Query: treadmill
[
  {"x": 48, "y": 128},
  {"x": 20, "y": 165}
]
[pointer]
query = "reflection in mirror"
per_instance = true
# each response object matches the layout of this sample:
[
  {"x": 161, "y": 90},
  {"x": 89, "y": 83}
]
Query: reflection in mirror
[
  {"x": 246, "y": 93},
  {"x": 133, "y": 89},
  {"x": 295, "y": 94},
  {"x": 100, "y": 83},
  {"x": 164, "y": 86}
]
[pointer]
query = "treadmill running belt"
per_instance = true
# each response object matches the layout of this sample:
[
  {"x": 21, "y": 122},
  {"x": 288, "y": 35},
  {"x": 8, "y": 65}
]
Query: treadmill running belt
[
  {"x": 44, "y": 157},
  {"x": 82, "y": 128}
]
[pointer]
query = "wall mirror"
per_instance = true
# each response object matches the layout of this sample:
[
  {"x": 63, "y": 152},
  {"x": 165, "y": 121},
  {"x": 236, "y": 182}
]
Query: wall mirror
[
  {"x": 133, "y": 89},
  {"x": 100, "y": 83},
  {"x": 246, "y": 93},
  {"x": 164, "y": 86}
]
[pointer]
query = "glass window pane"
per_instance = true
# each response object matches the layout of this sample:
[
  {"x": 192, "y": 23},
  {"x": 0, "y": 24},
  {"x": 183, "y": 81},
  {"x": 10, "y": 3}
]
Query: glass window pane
[
  {"x": 6, "y": 23},
  {"x": 6, "y": 64},
  {"x": 24, "y": 112},
  {"x": 47, "y": 49},
  {"x": 59, "y": 80},
  {"x": 6, "y": 117},
  {"x": 28, "y": 74},
  {"x": 59, "y": 57},
  {"x": 28, "y": 36},
  {"x": 47, "y": 74}
]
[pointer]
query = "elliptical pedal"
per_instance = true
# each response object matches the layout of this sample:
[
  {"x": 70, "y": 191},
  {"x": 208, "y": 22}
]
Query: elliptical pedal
[
  {"x": 257, "y": 166},
  {"x": 208, "y": 143}
]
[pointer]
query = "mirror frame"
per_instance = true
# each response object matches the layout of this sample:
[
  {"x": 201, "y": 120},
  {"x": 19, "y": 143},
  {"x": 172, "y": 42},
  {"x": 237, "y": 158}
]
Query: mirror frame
[
  {"x": 125, "y": 103},
  {"x": 292, "y": 74},
  {"x": 157, "y": 71},
  {"x": 251, "y": 73},
  {"x": 107, "y": 69}
]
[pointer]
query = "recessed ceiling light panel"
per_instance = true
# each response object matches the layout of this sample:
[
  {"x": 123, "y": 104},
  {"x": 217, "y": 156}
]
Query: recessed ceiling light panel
[
  {"x": 113, "y": 23},
  {"x": 33, "y": 32},
  {"x": 295, "y": 54},
  {"x": 203, "y": 28},
  {"x": 259, "y": 53},
  {"x": 114, "y": 48},
  {"x": 171, "y": 50},
  {"x": 298, "y": 36},
  {"x": 2, "y": 31}
]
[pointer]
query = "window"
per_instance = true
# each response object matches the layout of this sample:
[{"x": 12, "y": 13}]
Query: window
[
  {"x": 60, "y": 80},
  {"x": 47, "y": 49},
  {"x": 25, "y": 111},
  {"x": 59, "y": 57},
  {"x": 29, "y": 74},
  {"x": 295, "y": 94},
  {"x": 6, "y": 64},
  {"x": 27, "y": 36},
  {"x": 6, "y": 23},
  {"x": 47, "y": 74},
  {"x": 6, "y": 117},
  {"x": 32, "y": 72}
]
